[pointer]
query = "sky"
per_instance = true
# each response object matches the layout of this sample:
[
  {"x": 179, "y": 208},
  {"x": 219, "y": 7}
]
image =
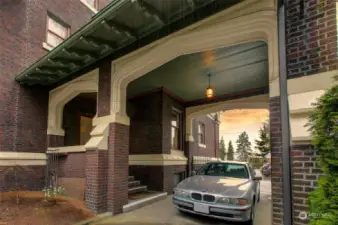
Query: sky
[{"x": 234, "y": 122}]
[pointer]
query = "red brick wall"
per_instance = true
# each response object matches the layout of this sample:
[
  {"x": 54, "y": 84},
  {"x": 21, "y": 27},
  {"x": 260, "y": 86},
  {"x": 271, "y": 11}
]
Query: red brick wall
[
  {"x": 118, "y": 151},
  {"x": 32, "y": 178},
  {"x": 211, "y": 132},
  {"x": 305, "y": 174},
  {"x": 276, "y": 161},
  {"x": 72, "y": 165},
  {"x": 311, "y": 37},
  {"x": 146, "y": 127}
]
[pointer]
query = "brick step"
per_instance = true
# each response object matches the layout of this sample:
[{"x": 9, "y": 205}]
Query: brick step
[
  {"x": 130, "y": 178},
  {"x": 137, "y": 189},
  {"x": 134, "y": 183}
]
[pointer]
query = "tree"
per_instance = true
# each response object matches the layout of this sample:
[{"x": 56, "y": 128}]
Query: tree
[
  {"x": 263, "y": 143},
  {"x": 323, "y": 123},
  {"x": 230, "y": 152},
  {"x": 243, "y": 147},
  {"x": 222, "y": 149}
]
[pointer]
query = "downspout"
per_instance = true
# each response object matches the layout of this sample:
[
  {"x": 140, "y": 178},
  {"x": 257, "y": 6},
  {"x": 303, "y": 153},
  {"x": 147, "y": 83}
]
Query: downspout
[{"x": 287, "y": 194}]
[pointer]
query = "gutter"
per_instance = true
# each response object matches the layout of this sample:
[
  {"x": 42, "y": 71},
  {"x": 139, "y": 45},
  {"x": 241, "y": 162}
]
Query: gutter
[{"x": 284, "y": 102}]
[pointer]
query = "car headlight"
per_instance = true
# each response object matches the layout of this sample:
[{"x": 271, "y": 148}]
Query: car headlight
[
  {"x": 232, "y": 201},
  {"x": 181, "y": 193}
]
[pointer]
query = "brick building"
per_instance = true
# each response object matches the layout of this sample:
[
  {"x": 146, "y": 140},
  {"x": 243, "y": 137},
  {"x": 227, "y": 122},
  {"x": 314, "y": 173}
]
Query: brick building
[{"x": 147, "y": 74}]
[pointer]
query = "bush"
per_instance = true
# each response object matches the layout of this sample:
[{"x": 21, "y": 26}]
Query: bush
[
  {"x": 323, "y": 124},
  {"x": 52, "y": 193}
]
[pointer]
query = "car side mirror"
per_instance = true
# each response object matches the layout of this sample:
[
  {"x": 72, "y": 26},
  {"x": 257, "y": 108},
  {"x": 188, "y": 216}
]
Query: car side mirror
[
  {"x": 257, "y": 178},
  {"x": 193, "y": 173}
]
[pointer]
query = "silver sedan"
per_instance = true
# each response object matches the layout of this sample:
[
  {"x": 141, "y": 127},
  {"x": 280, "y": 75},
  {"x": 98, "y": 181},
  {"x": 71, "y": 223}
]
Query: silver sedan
[{"x": 224, "y": 190}]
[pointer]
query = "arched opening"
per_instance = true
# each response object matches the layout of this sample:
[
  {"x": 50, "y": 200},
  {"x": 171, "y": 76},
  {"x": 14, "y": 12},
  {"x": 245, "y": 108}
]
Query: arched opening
[{"x": 78, "y": 114}]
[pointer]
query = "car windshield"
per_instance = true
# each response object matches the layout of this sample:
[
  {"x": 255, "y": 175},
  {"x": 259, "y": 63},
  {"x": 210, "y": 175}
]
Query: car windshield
[{"x": 225, "y": 170}]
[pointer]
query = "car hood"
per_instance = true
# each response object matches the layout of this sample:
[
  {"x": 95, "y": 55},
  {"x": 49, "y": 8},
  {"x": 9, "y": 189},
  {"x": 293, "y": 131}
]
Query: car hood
[{"x": 231, "y": 187}]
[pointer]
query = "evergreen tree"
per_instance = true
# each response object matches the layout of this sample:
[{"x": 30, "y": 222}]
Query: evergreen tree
[
  {"x": 243, "y": 147},
  {"x": 263, "y": 143},
  {"x": 230, "y": 152},
  {"x": 222, "y": 149}
]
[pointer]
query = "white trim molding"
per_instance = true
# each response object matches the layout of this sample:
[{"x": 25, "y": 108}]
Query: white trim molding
[
  {"x": 204, "y": 159},
  {"x": 59, "y": 96},
  {"x": 89, "y": 6},
  {"x": 66, "y": 149},
  {"x": 157, "y": 160},
  {"x": 47, "y": 46},
  {"x": 22, "y": 159},
  {"x": 202, "y": 145}
]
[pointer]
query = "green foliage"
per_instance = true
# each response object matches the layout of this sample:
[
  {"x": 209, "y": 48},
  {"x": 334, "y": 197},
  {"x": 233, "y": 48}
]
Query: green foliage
[
  {"x": 52, "y": 193},
  {"x": 222, "y": 149},
  {"x": 243, "y": 147},
  {"x": 230, "y": 152},
  {"x": 323, "y": 123},
  {"x": 263, "y": 144}
]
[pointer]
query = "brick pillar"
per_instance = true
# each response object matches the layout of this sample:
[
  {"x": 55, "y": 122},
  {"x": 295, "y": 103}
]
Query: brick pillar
[
  {"x": 96, "y": 180},
  {"x": 118, "y": 153},
  {"x": 276, "y": 160},
  {"x": 305, "y": 174},
  {"x": 55, "y": 140}
]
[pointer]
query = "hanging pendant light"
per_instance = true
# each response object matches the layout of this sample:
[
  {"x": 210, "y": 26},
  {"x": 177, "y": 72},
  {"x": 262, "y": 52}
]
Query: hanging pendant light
[{"x": 209, "y": 91}]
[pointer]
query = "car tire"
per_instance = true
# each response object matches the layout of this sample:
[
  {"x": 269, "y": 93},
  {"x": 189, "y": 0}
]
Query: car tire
[{"x": 252, "y": 216}]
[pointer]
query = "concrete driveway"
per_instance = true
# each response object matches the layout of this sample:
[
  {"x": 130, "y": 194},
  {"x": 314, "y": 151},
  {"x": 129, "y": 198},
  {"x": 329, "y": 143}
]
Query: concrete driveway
[{"x": 163, "y": 212}]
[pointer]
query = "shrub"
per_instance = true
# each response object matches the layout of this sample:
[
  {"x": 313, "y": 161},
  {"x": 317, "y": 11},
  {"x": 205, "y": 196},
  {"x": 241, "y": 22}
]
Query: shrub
[
  {"x": 52, "y": 193},
  {"x": 323, "y": 123}
]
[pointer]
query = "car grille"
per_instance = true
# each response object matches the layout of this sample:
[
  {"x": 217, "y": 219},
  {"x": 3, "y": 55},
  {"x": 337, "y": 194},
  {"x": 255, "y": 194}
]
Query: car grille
[
  {"x": 200, "y": 197},
  {"x": 196, "y": 196},
  {"x": 208, "y": 198}
]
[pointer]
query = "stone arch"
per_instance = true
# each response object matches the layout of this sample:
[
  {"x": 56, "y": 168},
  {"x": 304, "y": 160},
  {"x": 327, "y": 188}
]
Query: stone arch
[
  {"x": 63, "y": 94},
  {"x": 254, "y": 102},
  {"x": 217, "y": 32}
]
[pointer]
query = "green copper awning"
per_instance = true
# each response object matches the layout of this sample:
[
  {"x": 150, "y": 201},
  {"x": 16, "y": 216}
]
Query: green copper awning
[{"x": 118, "y": 26}]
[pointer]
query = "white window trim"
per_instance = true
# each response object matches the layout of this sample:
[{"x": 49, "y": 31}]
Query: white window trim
[
  {"x": 47, "y": 46},
  {"x": 89, "y": 6},
  {"x": 202, "y": 145}
]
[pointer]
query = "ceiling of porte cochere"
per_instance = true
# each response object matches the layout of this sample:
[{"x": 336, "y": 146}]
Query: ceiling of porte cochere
[{"x": 233, "y": 69}]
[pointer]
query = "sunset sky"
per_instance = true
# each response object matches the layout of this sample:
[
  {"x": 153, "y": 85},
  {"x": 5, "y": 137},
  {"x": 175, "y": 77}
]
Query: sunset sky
[{"x": 234, "y": 122}]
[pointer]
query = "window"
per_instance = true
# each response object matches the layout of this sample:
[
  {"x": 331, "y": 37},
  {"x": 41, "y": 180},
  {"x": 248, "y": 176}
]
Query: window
[
  {"x": 176, "y": 130},
  {"x": 57, "y": 31},
  {"x": 201, "y": 133},
  {"x": 232, "y": 170}
]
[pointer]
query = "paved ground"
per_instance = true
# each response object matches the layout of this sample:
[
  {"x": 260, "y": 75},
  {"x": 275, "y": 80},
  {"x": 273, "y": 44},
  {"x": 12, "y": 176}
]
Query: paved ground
[{"x": 163, "y": 212}]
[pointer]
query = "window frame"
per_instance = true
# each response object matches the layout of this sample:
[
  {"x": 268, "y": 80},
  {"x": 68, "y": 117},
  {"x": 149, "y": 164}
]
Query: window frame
[
  {"x": 178, "y": 127},
  {"x": 48, "y": 30},
  {"x": 201, "y": 133},
  {"x": 94, "y": 8}
]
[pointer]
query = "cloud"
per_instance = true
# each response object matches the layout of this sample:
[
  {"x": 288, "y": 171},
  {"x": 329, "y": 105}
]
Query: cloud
[{"x": 240, "y": 119}]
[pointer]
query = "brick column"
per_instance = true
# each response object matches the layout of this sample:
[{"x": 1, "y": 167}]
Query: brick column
[
  {"x": 96, "y": 180},
  {"x": 305, "y": 174},
  {"x": 55, "y": 140},
  {"x": 118, "y": 153},
  {"x": 276, "y": 161}
]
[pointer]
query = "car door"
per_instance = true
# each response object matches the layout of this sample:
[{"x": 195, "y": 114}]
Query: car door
[{"x": 256, "y": 182}]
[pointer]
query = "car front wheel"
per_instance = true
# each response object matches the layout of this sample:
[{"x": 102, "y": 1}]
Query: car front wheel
[{"x": 252, "y": 216}]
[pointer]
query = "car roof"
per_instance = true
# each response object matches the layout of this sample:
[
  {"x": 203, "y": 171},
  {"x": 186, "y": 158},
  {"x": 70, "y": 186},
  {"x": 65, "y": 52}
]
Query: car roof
[{"x": 226, "y": 161}]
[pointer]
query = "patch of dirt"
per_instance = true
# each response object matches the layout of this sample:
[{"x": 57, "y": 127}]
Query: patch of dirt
[{"x": 32, "y": 210}]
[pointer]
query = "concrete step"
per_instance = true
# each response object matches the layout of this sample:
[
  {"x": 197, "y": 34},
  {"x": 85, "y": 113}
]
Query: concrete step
[
  {"x": 133, "y": 190},
  {"x": 134, "y": 183},
  {"x": 130, "y": 178},
  {"x": 151, "y": 198}
]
